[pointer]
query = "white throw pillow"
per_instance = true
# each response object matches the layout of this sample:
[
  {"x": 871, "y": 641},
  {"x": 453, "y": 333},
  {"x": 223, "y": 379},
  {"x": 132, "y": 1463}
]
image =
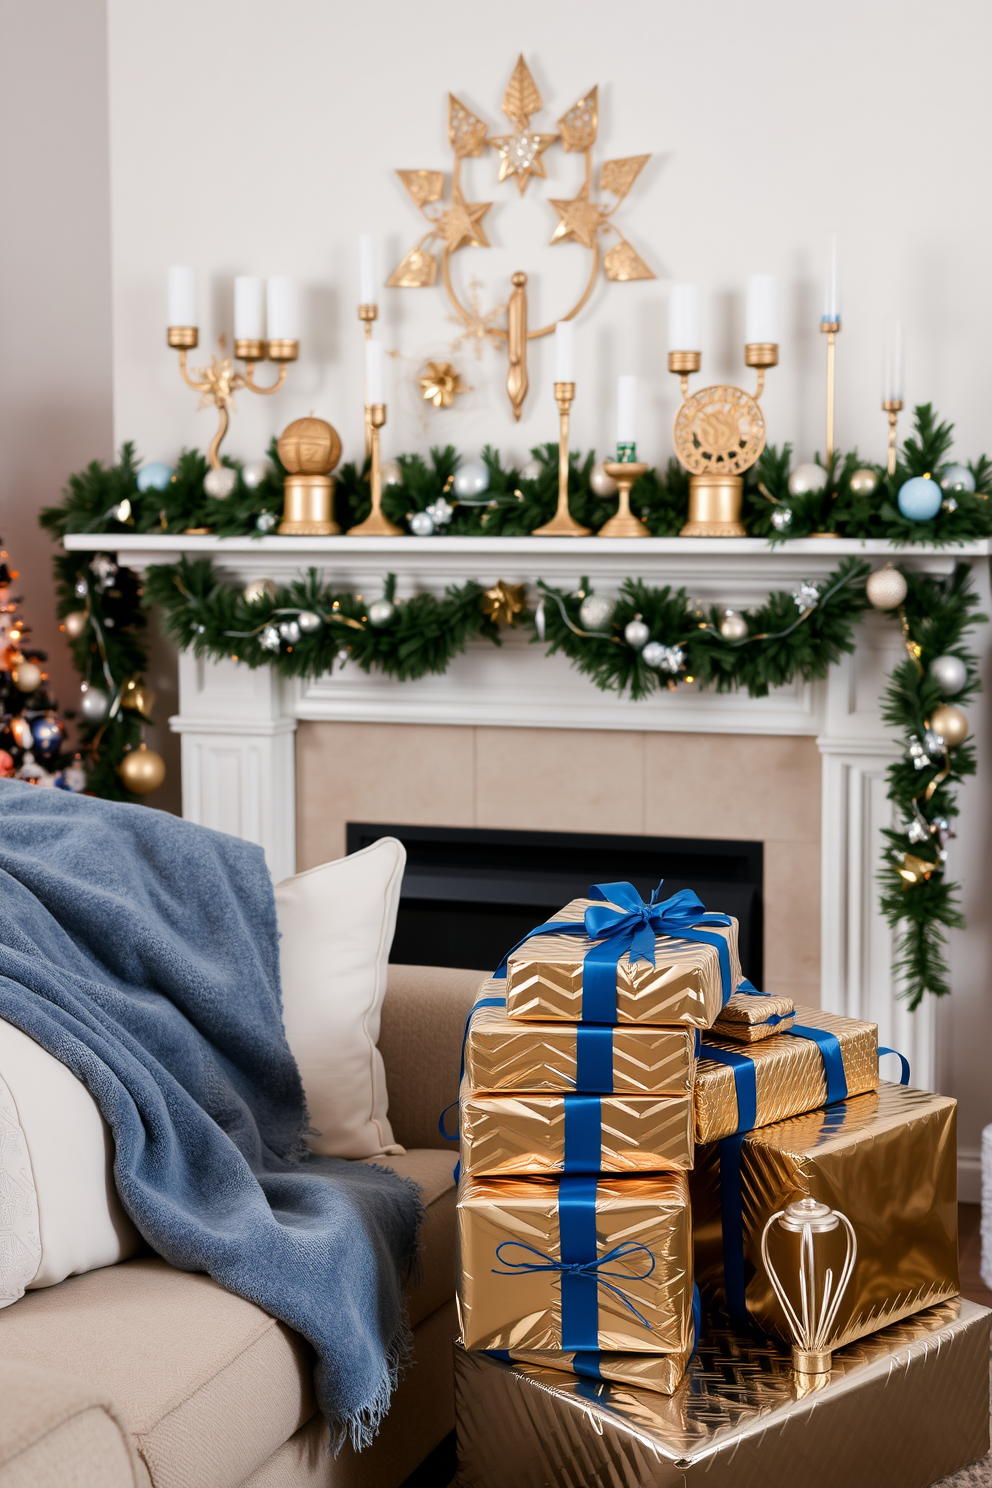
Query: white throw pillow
[
  {"x": 59, "y": 1210},
  {"x": 337, "y": 925}
]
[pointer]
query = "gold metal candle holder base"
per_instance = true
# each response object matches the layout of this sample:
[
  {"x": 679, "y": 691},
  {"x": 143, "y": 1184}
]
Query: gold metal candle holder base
[
  {"x": 308, "y": 507},
  {"x": 807, "y": 1361},
  {"x": 624, "y": 524},
  {"x": 376, "y": 524},
  {"x": 715, "y": 506},
  {"x": 562, "y": 524}
]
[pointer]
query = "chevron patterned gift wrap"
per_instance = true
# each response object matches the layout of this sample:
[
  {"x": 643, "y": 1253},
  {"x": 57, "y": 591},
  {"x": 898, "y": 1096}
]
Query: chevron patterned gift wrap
[{"x": 507, "y": 1135}]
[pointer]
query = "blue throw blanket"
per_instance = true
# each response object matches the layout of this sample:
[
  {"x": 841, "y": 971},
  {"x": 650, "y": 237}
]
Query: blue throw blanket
[{"x": 142, "y": 951}]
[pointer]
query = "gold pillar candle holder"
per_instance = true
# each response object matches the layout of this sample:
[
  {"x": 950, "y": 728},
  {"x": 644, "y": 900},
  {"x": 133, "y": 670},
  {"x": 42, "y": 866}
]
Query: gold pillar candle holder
[
  {"x": 563, "y": 524},
  {"x": 830, "y": 329},
  {"x": 893, "y": 407},
  {"x": 719, "y": 433},
  {"x": 367, "y": 314},
  {"x": 218, "y": 383},
  {"x": 376, "y": 524},
  {"x": 624, "y": 524}
]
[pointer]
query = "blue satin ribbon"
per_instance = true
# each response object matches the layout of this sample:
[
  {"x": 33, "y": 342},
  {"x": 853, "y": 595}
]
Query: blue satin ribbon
[
  {"x": 904, "y": 1070},
  {"x": 583, "y": 1133}
]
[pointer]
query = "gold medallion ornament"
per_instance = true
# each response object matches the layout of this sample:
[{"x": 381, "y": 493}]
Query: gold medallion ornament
[{"x": 581, "y": 219}]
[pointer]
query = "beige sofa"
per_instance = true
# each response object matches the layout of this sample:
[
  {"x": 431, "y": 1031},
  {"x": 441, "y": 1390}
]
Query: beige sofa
[{"x": 139, "y": 1374}]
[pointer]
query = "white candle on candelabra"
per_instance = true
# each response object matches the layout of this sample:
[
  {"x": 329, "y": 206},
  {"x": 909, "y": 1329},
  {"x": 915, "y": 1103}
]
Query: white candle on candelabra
[
  {"x": 831, "y": 292},
  {"x": 182, "y": 296},
  {"x": 366, "y": 269},
  {"x": 683, "y": 318},
  {"x": 249, "y": 308},
  {"x": 761, "y": 313},
  {"x": 626, "y": 411},
  {"x": 565, "y": 351},
  {"x": 283, "y": 306},
  {"x": 375, "y": 372},
  {"x": 892, "y": 386}
]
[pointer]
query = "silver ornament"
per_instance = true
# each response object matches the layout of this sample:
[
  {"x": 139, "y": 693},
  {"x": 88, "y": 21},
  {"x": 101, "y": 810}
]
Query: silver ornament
[
  {"x": 440, "y": 512},
  {"x": 595, "y": 611},
  {"x": 917, "y": 753},
  {"x": 533, "y": 470},
  {"x": 957, "y": 478},
  {"x": 934, "y": 744},
  {"x": 270, "y": 638},
  {"x": 807, "y": 479},
  {"x": 81, "y": 589},
  {"x": 381, "y": 611},
  {"x": 663, "y": 658},
  {"x": 255, "y": 474},
  {"x": 75, "y": 778},
  {"x": 94, "y": 704},
  {"x": 864, "y": 483},
  {"x": 601, "y": 482},
  {"x": 916, "y": 831},
  {"x": 949, "y": 504},
  {"x": 653, "y": 653},
  {"x": 290, "y": 631},
  {"x": 422, "y": 524},
  {"x": 391, "y": 473},
  {"x": 636, "y": 633},
  {"x": 733, "y": 626},
  {"x": 886, "y": 588},
  {"x": 221, "y": 482},
  {"x": 806, "y": 596},
  {"x": 105, "y": 569},
  {"x": 781, "y": 518},
  {"x": 540, "y": 621},
  {"x": 265, "y": 521},
  {"x": 950, "y": 674},
  {"x": 309, "y": 621},
  {"x": 259, "y": 589},
  {"x": 472, "y": 479}
]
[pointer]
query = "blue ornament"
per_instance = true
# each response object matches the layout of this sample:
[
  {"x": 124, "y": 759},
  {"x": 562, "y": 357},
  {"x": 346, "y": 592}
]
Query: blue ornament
[
  {"x": 920, "y": 498},
  {"x": 46, "y": 733},
  {"x": 956, "y": 478},
  {"x": 154, "y": 477}
]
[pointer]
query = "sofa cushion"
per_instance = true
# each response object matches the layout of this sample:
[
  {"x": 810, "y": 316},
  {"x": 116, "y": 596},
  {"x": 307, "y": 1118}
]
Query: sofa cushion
[
  {"x": 433, "y": 1172},
  {"x": 56, "y": 1431}
]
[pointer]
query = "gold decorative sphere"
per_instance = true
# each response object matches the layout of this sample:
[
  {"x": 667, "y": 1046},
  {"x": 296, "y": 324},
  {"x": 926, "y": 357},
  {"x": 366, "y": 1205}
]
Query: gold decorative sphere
[
  {"x": 886, "y": 588},
  {"x": 863, "y": 483},
  {"x": 75, "y": 623},
  {"x": 309, "y": 446},
  {"x": 26, "y": 676},
  {"x": 142, "y": 770},
  {"x": 257, "y": 589},
  {"x": 951, "y": 723}
]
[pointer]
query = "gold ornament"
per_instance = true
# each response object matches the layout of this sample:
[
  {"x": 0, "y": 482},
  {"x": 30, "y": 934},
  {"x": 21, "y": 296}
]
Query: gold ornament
[
  {"x": 503, "y": 602},
  {"x": 863, "y": 483},
  {"x": 886, "y": 588},
  {"x": 139, "y": 698},
  {"x": 440, "y": 384},
  {"x": 75, "y": 623},
  {"x": 26, "y": 676},
  {"x": 462, "y": 224},
  {"x": 951, "y": 723},
  {"x": 309, "y": 448},
  {"x": 258, "y": 589},
  {"x": 141, "y": 770},
  {"x": 520, "y": 152},
  {"x": 580, "y": 221},
  {"x": 914, "y": 870}
]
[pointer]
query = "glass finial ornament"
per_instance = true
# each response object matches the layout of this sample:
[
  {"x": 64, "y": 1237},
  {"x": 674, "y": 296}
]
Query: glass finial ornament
[
  {"x": 920, "y": 498},
  {"x": 636, "y": 633},
  {"x": 811, "y": 1322}
]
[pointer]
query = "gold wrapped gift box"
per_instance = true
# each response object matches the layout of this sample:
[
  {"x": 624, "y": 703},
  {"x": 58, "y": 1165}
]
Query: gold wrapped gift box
[
  {"x": 506, "y": 1135},
  {"x": 888, "y": 1161},
  {"x": 661, "y": 1373},
  {"x": 523, "y": 1309},
  {"x": 748, "y": 1018},
  {"x": 504, "y": 1054},
  {"x": 683, "y": 988},
  {"x": 788, "y": 1073}
]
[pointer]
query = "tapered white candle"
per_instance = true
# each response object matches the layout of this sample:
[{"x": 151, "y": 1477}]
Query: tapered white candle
[
  {"x": 375, "y": 372},
  {"x": 831, "y": 292},
  {"x": 893, "y": 380},
  {"x": 182, "y": 306},
  {"x": 626, "y": 410},
  {"x": 366, "y": 269},
  {"x": 683, "y": 318},
  {"x": 565, "y": 351},
  {"x": 761, "y": 313},
  {"x": 249, "y": 308},
  {"x": 283, "y": 308}
]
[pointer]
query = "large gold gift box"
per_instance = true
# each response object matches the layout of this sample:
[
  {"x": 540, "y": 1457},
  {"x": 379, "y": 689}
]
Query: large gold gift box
[
  {"x": 642, "y": 1264},
  {"x": 662, "y": 1373},
  {"x": 789, "y": 1074},
  {"x": 684, "y": 987},
  {"x": 902, "y": 1409},
  {"x": 888, "y": 1161},
  {"x": 503, "y": 1054},
  {"x": 507, "y": 1135}
]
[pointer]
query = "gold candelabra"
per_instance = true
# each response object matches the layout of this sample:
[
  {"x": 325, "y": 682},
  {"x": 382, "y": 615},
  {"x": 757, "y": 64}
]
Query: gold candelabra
[
  {"x": 830, "y": 328},
  {"x": 218, "y": 383},
  {"x": 376, "y": 524},
  {"x": 367, "y": 314},
  {"x": 892, "y": 406},
  {"x": 719, "y": 433},
  {"x": 563, "y": 524}
]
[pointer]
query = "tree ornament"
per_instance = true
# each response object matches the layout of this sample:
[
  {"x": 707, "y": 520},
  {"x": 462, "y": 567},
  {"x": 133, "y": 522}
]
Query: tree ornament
[
  {"x": 81, "y": 589},
  {"x": 47, "y": 733},
  {"x": 381, "y": 611},
  {"x": 503, "y": 602},
  {"x": 913, "y": 870},
  {"x": 155, "y": 476},
  {"x": 949, "y": 504},
  {"x": 595, "y": 612},
  {"x": 21, "y": 731},
  {"x": 270, "y": 638},
  {"x": 7, "y": 766},
  {"x": 601, "y": 481},
  {"x": 31, "y": 771},
  {"x": 309, "y": 621},
  {"x": 290, "y": 631},
  {"x": 142, "y": 770},
  {"x": 951, "y": 723},
  {"x": 440, "y": 512},
  {"x": 934, "y": 744},
  {"x": 94, "y": 704},
  {"x": 663, "y": 658},
  {"x": 472, "y": 479},
  {"x": 886, "y": 588},
  {"x": 440, "y": 384},
  {"x": 26, "y": 676},
  {"x": 917, "y": 832},
  {"x": 75, "y": 623},
  {"x": 781, "y": 519},
  {"x": 920, "y": 498},
  {"x": 265, "y": 521},
  {"x": 255, "y": 474},
  {"x": 806, "y": 597},
  {"x": 219, "y": 484},
  {"x": 864, "y": 483},
  {"x": 391, "y": 472},
  {"x": 950, "y": 673},
  {"x": 75, "y": 776},
  {"x": 806, "y": 480},
  {"x": 259, "y": 589},
  {"x": 533, "y": 470},
  {"x": 733, "y": 626},
  {"x": 421, "y": 524},
  {"x": 918, "y": 754},
  {"x": 105, "y": 569},
  {"x": 956, "y": 478},
  {"x": 636, "y": 633}
]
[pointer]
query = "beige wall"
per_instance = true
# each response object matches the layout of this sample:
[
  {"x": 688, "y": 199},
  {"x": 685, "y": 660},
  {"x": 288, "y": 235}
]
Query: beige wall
[{"x": 673, "y": 785}]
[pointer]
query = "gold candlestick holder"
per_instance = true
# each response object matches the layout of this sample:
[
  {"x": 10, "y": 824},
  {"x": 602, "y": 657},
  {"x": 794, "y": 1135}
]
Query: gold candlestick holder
[
  {"x": 683, "y": 364},
  {"x": 376, "y": 524},
  {"x": 830, "y": 329},
  {"x": 761, "y": 355},
  {"x": 893, "y": 407},
  {"x": 218, "y": 383},
  {"x": 624, "y": 524},
  {"x": 367, "y": 314},
  {"x": 719, "y": 433},
  {"x": 563, "y": 524}
]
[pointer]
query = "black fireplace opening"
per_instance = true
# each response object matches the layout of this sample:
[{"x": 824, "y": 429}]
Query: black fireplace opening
[{"x": 470, "y": 893}]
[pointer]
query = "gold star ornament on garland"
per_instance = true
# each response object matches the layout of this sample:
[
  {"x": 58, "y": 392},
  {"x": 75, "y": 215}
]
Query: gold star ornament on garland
[{"x": 503, "y": 602}]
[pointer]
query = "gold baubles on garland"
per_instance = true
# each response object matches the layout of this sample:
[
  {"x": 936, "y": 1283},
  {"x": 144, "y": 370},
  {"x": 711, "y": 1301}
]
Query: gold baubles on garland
[
  {"x": 950, "y": 723},
  {"x": 142, "y": 770},
  {"x": 886, "y": 588}
]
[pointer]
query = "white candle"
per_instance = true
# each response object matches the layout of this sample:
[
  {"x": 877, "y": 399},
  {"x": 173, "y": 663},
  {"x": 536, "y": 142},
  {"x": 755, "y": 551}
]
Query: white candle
[
  {"x": 761, "y": 316},
  {"x": 283, "y": 308},
  {"x": 366, "y": 269},
  {"x": 683, "y": 318},
  {"x": 626, "y": 410},
  {"x": 892, "y": 386},
  {"x": 375, "y": 372},
  {"x": 249, "y": 308},
  {"x": 182, "y": 296},
  {"x": 565, "y": 351},
  {"x": 831, "y": 293}
]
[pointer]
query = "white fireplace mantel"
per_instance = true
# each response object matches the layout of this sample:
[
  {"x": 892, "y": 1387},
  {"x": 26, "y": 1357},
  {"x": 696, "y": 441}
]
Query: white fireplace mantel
[{"x": 237, "y": 726}]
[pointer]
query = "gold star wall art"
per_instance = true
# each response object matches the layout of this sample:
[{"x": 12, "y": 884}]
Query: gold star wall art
[{"x": 583, "y": 219}]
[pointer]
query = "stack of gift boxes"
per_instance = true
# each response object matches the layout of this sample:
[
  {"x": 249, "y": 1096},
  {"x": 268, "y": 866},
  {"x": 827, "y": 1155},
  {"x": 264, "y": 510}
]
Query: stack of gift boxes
[{"x": 632, "y": 1114}]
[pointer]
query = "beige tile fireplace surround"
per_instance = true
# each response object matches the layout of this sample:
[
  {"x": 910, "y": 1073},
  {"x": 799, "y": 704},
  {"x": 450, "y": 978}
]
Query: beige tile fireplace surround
[{"x": 739, "y": 786}]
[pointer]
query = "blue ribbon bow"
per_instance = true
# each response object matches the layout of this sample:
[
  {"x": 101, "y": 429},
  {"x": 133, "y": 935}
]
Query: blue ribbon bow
[{"x": 586, "y": 1270}]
